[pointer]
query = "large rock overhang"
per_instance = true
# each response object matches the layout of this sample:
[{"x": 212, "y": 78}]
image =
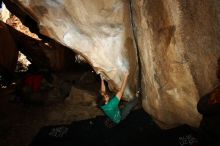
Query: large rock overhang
[{"x": 176, "y": 43}]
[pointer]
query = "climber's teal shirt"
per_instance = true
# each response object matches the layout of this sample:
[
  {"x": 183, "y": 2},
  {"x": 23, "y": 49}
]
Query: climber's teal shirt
[{"x": 111, "y": 109}]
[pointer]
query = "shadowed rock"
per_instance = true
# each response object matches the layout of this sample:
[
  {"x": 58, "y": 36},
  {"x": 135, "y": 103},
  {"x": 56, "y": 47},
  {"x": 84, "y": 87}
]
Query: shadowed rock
[{"x": 177, "y": 42}]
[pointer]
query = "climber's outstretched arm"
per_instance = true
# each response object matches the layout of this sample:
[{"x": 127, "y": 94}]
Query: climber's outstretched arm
[
  {"x": 103, "y": 90},
  {"x": 123, "y": 85}
]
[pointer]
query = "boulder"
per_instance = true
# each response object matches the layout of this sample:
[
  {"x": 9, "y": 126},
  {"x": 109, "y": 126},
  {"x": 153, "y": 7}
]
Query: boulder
[
  {"x": 98, "y": 30},
  {"x": 8, "y": 50},
  {"x": 179, "y": 47},
  {"x": 174, "y": 45}
]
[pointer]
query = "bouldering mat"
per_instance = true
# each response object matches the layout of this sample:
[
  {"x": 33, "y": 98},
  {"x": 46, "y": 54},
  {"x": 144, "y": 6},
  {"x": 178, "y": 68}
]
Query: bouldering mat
[{"x": 137, "y": 129}]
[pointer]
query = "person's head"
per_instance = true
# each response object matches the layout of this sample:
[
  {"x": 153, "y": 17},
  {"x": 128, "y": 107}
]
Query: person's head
[
  {"x": 214, "y": 96},
  {"x": 105, "y": 98}
]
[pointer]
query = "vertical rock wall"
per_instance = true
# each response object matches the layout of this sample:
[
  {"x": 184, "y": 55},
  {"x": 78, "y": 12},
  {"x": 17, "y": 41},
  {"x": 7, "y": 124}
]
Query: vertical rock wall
[
  {"x": 179, "y": 47},
  {"x": 8, "y": 50}
]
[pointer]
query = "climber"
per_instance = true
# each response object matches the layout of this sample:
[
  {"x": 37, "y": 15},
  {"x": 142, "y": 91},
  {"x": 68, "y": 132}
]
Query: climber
[{"x": 110, "y": 106}]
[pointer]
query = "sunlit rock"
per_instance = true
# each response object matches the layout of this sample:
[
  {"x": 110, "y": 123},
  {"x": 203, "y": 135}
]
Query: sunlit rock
[{"x": 4, "y": 13}]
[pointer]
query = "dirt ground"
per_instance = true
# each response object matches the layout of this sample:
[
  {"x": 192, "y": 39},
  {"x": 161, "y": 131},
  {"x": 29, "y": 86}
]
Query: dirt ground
[{"x": 20, "y": 122}]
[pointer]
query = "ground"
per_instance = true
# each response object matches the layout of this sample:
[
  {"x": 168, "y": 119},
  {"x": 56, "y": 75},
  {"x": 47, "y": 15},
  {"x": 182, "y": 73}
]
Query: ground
[{"x": 20, "y": 122}]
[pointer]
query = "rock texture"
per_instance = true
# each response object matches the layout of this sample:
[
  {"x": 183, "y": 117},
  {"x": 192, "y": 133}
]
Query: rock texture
[
  {"x": 8, "y": 50},
  {"x": 4, "y": 13},
  {"x": 98, "y": 30},
  {"x": 179, "y": 47},
  {"x": 177, "y": 41}
]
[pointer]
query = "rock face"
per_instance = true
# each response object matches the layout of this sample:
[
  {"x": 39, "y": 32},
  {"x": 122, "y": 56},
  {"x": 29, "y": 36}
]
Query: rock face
[
  {"x": 8, "y": 50},
  {"x": 4, "y": 13},
  {"x": 98, "y": 30},
  {"x": 177, "y": 41},
  {"x": 179, "y": 46}
]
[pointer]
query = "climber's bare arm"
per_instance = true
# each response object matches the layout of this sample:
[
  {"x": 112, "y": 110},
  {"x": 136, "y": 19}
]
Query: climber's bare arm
[
  {"x": 123, "y": 85},
  {"x": 102, "y": 87}
]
